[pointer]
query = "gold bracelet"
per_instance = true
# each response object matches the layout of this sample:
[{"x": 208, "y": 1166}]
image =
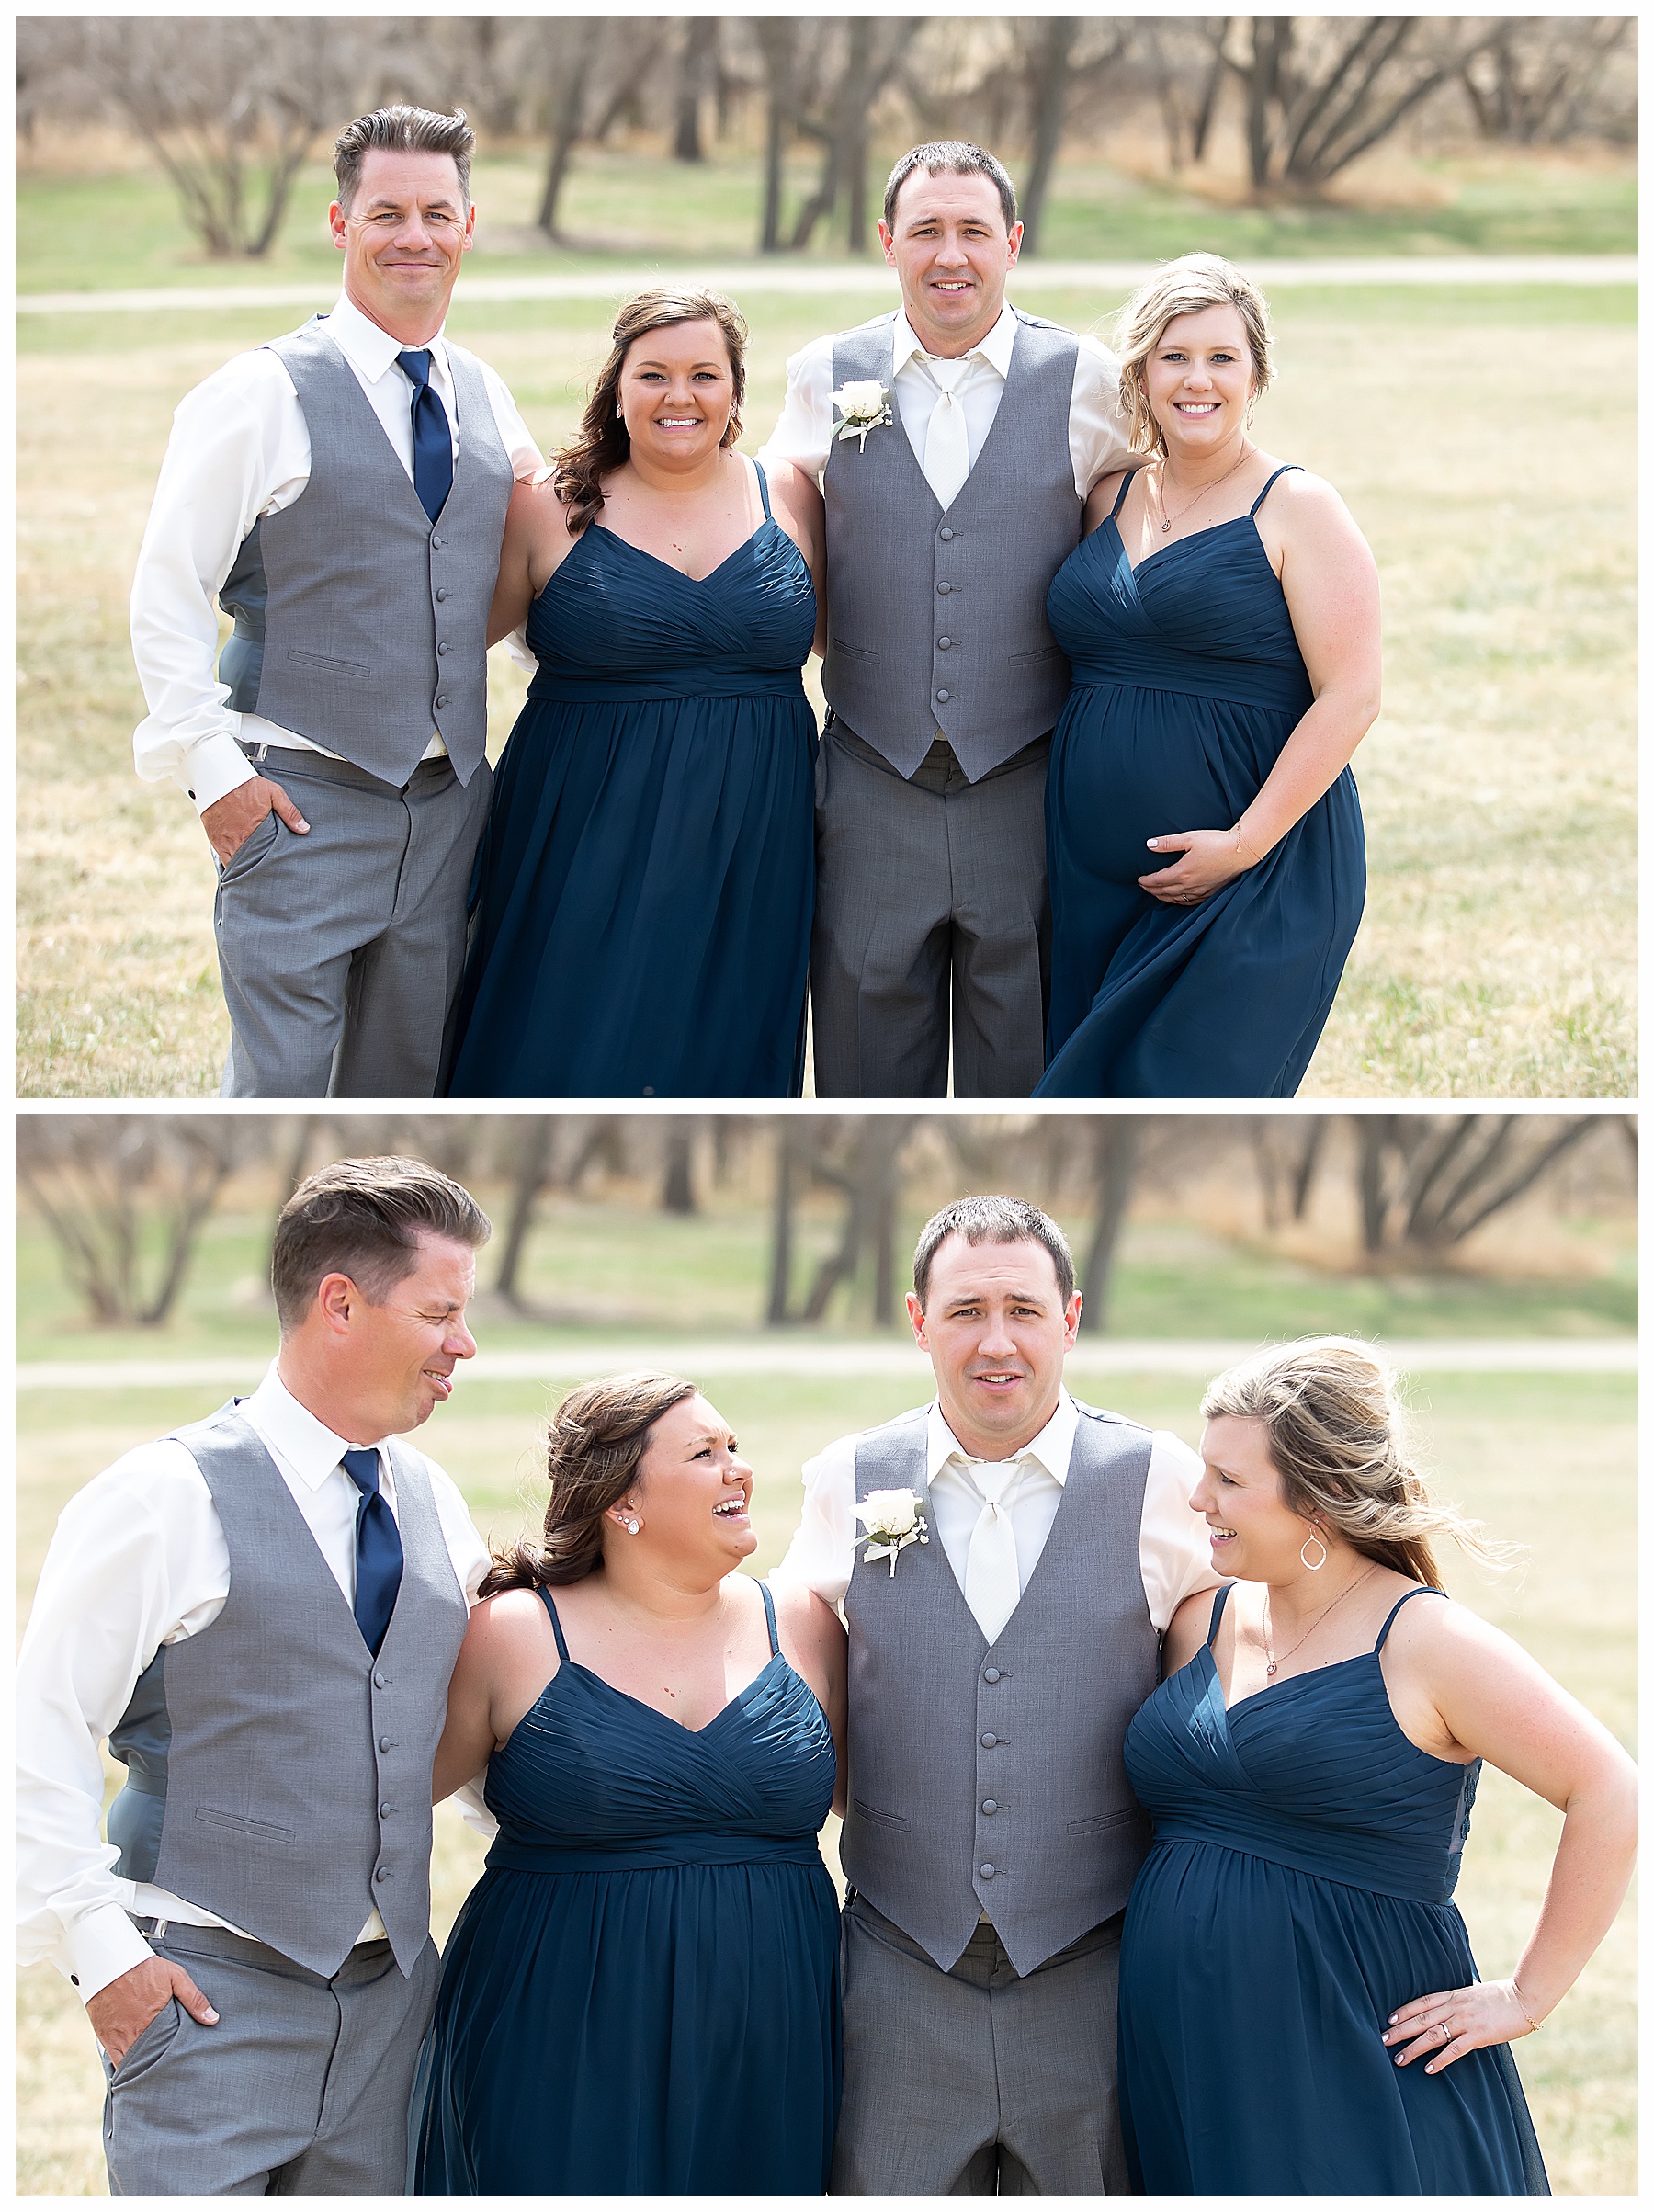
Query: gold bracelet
[
  {"x": 1240, "y": 848},
  {"x": 1534, "y": 2025}
]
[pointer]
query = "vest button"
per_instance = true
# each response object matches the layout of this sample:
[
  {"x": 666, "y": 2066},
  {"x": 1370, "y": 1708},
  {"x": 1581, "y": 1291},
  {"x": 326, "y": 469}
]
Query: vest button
[
  {"x": 943, "y": 588},
  {"x": 442, "y": 647},
  {"x": 385, "y": 1811},
  {"x": 943, "y": 642},
  {"x": 986, "y": 1872},
  {"x": 989, "y": 1673},
  {"x": 442, "y": 591},
  {"x": 943, "y": 697},
  {"x": 381, "y": 1873},
  {"x": 988, "y": 1742},
  {"x": 442, "y": 698},
  {"x": 945, "y": 536},
  {"x": 378, "y": 1682},
  {"x": 435, "y": 545},
  {"x": 989, "y": 1804},
  {"x": 387, "y": 1743}
]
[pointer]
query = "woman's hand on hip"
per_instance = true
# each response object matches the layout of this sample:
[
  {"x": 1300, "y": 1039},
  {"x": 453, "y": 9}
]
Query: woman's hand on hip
[
  {"x": 1442, "y": 2028},
  {"x": 1211, "y": 860}
]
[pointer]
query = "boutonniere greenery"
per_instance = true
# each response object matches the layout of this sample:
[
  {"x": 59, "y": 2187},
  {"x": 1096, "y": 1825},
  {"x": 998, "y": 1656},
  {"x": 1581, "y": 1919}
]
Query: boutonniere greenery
[
  {"x": 893, "y": 1521},
  {"x": 865, "y": 406}
]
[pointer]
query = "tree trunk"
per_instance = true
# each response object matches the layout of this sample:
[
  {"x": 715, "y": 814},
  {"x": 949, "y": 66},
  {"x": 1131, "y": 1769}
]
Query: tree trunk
[
  {"x": 1204, "y": 114},
  {"x": 691, "y": 84},
  {"x": 677, "y": 1196},
  {"x": 532, "y": 1166},
  {"x": 1372, "y": 1134},
  {"x": 1115, "y": 1138},
  {"x": 781, "y": 1233},
  {"x": 1050, "y": 89},
  {"x": 568, "y": 107},
  {"x": 777, "y": 40}
]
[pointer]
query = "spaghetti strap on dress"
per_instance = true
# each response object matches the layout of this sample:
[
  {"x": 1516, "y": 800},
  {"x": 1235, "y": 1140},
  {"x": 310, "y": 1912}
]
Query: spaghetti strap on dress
[
  {"x": 640, "y": 1996},
  {"x": 1187, "y": 683},
  {"x": 1298, "y": 1890}
]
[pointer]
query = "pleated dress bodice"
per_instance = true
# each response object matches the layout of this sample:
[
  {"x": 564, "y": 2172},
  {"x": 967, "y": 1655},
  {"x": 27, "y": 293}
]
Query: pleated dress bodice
[
  {"x": 1312, "y": 1772},
  {"x": 593, "y": 1780},
  {"x": 1205, "y": 614},
  {"x": 617, "y": 623}
]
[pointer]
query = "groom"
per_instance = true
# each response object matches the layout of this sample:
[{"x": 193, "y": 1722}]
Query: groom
[
  {"x": 991, "y": 1835},
  {"x": 261, "y": 1612},
  {"x": 949, "y": 510},
  {"x": 342, "y": 493}
]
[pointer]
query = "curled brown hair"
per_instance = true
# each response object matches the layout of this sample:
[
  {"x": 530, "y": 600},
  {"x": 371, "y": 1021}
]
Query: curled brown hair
[
  {"x": 1336, "y": 1434},
  {"x": 595, "y": 1443},
  {"x": 603, "y": 442}
]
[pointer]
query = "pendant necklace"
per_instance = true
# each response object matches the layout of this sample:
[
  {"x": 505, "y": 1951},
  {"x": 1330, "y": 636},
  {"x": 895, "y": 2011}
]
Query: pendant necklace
[
  {"x": 1167, "y": 520},
  {"x": 1309, "y": 1631}
]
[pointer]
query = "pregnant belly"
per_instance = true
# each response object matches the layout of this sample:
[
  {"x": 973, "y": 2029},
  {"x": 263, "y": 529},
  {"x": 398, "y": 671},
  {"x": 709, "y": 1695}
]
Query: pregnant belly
[{"x": 1127, "y": 764}]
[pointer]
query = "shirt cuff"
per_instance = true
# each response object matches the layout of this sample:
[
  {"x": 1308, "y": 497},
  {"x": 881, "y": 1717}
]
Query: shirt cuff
[
  {"x": 211, "y": 769},
  {"x": 99, "y": 1947}
]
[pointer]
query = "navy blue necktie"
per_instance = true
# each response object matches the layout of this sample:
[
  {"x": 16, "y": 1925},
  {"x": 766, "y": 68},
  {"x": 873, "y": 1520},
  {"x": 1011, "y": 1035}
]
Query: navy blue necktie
[
  {"x": 378, "y": 1552},
  {"x": 432, "y": 444}
]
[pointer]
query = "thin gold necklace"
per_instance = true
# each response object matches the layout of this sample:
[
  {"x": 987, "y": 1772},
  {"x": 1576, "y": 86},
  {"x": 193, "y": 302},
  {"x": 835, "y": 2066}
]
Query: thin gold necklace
[
  {"x": 1309, "y": 1631},
  {"x": 1167, "y": 520}
]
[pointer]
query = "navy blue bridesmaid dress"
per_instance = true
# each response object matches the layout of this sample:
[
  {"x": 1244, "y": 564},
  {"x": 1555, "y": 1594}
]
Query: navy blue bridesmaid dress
[
  {"x": 645, "y": 887},
  {"x": 1298, "y": 1890},
  {"x": 1187, "y": 683},
  {"x": 640, "y": 1996}
]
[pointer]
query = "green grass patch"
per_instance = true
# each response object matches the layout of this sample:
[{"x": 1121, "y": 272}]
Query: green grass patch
[
  {"x": 123, "y": 231},
  {"x": 601, "y": 1270}
]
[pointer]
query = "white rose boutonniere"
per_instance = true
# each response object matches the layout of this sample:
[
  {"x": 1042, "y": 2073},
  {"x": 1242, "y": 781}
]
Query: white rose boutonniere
[
  {"x": 893, "y": 1520},
  {"x": 865, "y": 406}
]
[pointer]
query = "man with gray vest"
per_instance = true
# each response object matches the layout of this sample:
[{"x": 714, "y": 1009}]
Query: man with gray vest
[
  {"x": 342, "y": 492},
  {"x": 1019, "y": 1558},
  {"x": 955, "y": 480},
  {"x": 261, "y": 1613}
]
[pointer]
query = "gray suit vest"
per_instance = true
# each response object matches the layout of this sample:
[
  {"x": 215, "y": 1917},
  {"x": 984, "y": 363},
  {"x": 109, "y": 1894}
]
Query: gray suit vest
[
  {"x": 277, "y": 1774},
  {"x": 937, "y": 621},
  {"x": 991, "y": 1779},
  {"x": 359, "y": 623}
]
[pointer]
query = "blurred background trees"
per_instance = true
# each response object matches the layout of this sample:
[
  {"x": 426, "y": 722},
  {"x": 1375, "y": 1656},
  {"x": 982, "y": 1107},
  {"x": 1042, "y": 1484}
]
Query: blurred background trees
[
  {"x": 807, "y": 1220},
  {"x": 1268, "y": 105}
]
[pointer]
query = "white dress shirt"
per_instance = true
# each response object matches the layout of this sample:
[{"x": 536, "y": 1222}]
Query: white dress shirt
[
  {"x": 1097, "y": 438},
  {"x": 1172, "y": 1554},
  {"x": 138, "y": 1561},
  {"x": 240, "y": 448}
]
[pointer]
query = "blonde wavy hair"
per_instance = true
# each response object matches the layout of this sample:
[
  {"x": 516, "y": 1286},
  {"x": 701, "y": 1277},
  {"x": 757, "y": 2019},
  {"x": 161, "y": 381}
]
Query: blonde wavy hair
[
  {"x": 1337, "y": 1435},
  {"x": 1186, "y": 287}
]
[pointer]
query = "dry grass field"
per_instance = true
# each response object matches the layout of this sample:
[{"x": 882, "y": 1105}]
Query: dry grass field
[
  {"x": 1485, "y": 440},
  {"x": 1548, "y": 1461}
]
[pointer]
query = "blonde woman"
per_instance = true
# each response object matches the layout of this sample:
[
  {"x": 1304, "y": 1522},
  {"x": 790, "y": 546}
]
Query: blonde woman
[
  {"x": 1299, "y": 2010},
  {"x": 1203, "y": 833},
  {"x": 647, "y": 879}
]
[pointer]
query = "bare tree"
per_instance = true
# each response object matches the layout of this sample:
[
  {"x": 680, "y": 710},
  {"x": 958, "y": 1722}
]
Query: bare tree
[
  {"x": 1426, "y": 1182},
  {"x": 1116, "y": 1140},
  {"x": 777, "y": 38},
  {"x": 228, "y": 106},
  {"x": 126, "y": 1197},
  {"x": 573, "y": 45},
  {"x": 873, "y": 48},
  {"x": 677, "y": 1188},
  {"x": 1321, "y": 90},
  {"x": 1546, "y": 79},
  {"x": 1288, "y": 1152}
]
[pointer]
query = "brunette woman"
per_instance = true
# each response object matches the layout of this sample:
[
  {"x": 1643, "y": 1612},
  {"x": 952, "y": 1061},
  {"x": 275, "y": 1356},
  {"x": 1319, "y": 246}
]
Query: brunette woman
[
  {"x": 647, "y": 879},
  {"x": 640, "y": 1996}
]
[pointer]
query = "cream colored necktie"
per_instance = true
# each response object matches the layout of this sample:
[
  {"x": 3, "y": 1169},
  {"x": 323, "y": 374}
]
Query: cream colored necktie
[
  {"x": 992, "y": 1585},
  {"x": 946, "y": 444}
]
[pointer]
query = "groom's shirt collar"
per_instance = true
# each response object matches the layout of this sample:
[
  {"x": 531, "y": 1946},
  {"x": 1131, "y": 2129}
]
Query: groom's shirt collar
[
  {"x": 995, "y": 348},
  {"x": 368, "y": 349},
  {"x": 1053, "y": 1447}
]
